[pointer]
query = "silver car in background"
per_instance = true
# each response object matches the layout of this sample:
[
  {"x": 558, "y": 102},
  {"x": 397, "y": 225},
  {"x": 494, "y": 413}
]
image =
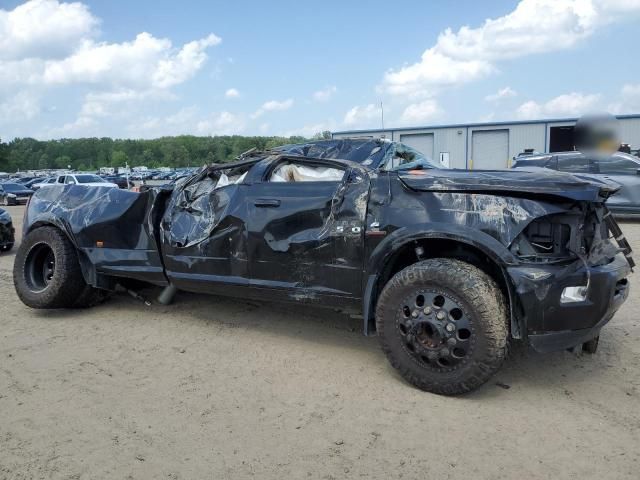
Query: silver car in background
[{"x": 621, "y": 168}]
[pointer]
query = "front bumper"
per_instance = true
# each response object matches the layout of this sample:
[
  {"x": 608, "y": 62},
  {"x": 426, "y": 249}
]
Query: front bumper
[{"x": 552, "y": 325}]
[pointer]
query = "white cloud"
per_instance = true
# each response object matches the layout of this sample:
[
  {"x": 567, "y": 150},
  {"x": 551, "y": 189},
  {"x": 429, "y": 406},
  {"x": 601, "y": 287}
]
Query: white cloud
[
  {"x": 421, "y": 112},
  {"x": 629, "y": 100},
  {"x": 232, "y": 93},
  {"x": 101, "y": 104},
  {"x": 44, "y": 29},
  {"x": 325, "y": 94},
  {"x": 20, "y": 107},
  {"x": 46, "y": 44},
  {"x": 272, "y": 106},
  {"x": 506, "y": 92},
  {"x": 363, "y": 115},
  {"x": 147, "y": 62},
  {"x": 82, "y": 126},
  {"x": 309, "y": 131},
  {"x": 223, "y": 123},
  {"x": 535, "y": 26},
  {"x": 570, "y": 104}
]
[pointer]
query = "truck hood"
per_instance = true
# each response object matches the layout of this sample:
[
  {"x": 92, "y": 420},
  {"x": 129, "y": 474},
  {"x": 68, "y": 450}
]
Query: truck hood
[{"x": 536, "y": 181}]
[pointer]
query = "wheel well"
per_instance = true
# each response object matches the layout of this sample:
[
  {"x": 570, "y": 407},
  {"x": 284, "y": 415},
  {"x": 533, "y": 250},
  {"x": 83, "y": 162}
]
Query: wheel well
[{"x": 423, "y": 249}]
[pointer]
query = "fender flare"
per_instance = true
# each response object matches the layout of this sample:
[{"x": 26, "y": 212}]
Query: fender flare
[
  {"x": 86, "y": 267},
  {"x": 385, "y": 250}
]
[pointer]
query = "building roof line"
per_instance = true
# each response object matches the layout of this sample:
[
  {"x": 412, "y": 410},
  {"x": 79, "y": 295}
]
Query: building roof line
[{"x": 482, "y": 124}]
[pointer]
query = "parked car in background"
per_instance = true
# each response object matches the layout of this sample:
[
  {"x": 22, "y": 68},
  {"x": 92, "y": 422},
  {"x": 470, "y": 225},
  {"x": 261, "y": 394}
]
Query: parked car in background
[
  {"x": 88, "y": 179},
  {"x": 7, "y": 232},
  {"x": 42, "y": 182},
  {"x": 22, "y": 180},
  {"x": 14, "y": 193},
  {"x": 33, "y": 181},
  {"x": 621, "y": 168},
  {"x": 121, "y": 182}
]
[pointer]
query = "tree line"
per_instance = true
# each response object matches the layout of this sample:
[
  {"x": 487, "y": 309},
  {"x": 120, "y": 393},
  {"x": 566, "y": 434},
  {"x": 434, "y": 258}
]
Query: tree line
[{"x": 92, "y": 153}]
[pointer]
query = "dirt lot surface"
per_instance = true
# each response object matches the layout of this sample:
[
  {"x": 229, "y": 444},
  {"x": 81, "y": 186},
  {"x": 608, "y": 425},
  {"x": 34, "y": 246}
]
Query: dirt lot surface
[{"x": 216, "y": 388}]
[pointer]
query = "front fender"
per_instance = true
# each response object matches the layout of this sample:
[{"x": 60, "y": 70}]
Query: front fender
[{"x": 436, "y": 230}]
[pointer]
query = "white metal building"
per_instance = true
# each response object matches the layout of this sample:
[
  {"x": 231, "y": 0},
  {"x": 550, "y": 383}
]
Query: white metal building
[{"x": 492, "y": 145}]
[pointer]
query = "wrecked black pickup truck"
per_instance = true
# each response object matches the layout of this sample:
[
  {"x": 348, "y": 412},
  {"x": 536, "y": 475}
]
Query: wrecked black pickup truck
[{"x": 447, "y": 266}]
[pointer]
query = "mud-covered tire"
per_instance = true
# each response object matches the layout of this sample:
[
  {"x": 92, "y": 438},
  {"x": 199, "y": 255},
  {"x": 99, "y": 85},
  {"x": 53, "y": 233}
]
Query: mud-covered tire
[
  {"x": 65, "y": 285},
  {"x": 479, "y": 303}
]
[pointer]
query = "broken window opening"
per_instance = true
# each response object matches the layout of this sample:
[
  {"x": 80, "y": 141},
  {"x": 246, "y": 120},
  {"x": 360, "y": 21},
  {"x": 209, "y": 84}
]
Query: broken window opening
[{"x": 292, "y": 172}]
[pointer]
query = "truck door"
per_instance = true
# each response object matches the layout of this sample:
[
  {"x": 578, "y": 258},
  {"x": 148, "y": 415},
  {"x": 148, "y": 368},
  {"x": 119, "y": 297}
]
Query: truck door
[
  {"x": 306, "y": 229},
  {"x": 204, "y": 237}
]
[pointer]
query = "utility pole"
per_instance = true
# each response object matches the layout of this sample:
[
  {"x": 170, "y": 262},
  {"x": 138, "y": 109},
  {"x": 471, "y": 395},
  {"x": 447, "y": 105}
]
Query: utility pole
[{"x": 382, "y": 114}]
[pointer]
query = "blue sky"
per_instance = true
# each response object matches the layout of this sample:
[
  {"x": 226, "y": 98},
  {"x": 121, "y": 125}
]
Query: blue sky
[{"x": 151, "y": 68}]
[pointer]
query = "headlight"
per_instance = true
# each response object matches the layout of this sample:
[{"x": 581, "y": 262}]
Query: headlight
[
  {"x": 11, "y": 195},
  {"x": 574, "y": 294}
]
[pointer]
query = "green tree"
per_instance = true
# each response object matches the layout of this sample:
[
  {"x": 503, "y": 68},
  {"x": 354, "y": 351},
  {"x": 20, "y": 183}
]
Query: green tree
[
  {"x": 63, "y": 161},
  {"x": 119, "y": 159},
  {"x": 92, "y": 153},
  {"x": 43, "y": 162}
]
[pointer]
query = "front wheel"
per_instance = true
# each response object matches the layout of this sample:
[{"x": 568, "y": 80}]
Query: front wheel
[
  {"x": 46, "y": 272},
  {"x": 443, "y": 325}
]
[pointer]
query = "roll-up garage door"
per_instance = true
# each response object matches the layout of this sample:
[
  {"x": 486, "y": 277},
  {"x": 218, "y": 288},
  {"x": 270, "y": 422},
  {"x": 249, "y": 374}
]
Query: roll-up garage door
[
  {"x": 423, "y": 142},
  {"x": 490, "y": 149}
]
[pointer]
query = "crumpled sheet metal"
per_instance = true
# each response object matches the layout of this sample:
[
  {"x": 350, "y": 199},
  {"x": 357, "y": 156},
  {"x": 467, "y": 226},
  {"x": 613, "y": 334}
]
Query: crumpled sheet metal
[
  {"x": 119, "y": 218},
  {"x": 193, "y": 212},
  {"x": 503, "y": 218},
  {"x": 543, "y": 182},
  {"x": 364, "y": 151}
]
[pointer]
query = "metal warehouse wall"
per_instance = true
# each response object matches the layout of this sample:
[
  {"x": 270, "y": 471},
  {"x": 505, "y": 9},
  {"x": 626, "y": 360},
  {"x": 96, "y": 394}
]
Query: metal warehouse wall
[{"x": 458, "y": 140}]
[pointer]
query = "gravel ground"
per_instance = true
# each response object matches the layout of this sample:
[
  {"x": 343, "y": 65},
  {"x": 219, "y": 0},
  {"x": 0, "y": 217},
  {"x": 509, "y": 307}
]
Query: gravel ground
[{"x": 217, "y": 388}]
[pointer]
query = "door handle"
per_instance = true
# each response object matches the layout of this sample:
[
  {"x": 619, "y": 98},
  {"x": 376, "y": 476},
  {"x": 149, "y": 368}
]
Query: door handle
[{"x": 267, "y": 202}]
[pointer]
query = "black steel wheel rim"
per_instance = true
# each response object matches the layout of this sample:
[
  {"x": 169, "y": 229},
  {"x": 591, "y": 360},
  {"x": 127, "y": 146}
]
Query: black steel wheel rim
[
  {"x": 40, "y": 266},
  {"x": 435, "y": 329}
]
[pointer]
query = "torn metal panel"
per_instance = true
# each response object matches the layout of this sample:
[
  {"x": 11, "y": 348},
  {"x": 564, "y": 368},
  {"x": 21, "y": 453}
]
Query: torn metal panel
[
  {"x": 511, "y": 182},
  {"x": 203, "y": 228},
  {"x": 367, "y": 152},
  {"x": 112, "y": 228}
]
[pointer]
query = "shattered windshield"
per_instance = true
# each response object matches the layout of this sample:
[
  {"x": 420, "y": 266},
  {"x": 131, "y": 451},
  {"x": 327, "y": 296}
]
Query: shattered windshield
[{"x": 403, "y": 157}]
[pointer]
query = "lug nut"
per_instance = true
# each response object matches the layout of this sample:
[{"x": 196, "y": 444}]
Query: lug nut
[
  {"x": 414, "y": 314},
  {"x": 427, "y": 310},
  {"x": 444, "y": 352},
  {"x": 451, "y": 342},
  {"x": 450, "y": 327},
  {"x": 440, "y": 315}
]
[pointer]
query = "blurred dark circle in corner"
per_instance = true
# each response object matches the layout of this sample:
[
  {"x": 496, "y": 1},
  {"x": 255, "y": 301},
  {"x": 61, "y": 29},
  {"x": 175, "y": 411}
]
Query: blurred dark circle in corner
[{"x": 597, "y": 133}]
